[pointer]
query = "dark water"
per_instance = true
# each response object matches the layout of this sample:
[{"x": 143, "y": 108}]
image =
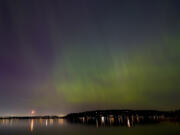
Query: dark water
[{"x": 62, "y": 127}]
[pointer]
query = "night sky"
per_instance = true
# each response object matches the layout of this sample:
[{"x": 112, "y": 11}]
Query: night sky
[{"x": 61, "y": 56}]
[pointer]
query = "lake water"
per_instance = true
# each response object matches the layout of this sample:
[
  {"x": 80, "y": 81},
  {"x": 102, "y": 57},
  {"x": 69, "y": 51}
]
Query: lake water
[{"x": 62, "y": 127}]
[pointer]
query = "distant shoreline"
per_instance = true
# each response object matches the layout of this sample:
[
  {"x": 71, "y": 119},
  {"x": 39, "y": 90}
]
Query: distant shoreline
[
  {"x": 98, "y": 113},
  {"x": 31, "y": 117}
]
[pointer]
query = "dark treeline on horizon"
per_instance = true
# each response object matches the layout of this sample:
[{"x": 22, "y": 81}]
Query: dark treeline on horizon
[
  {"x": 98, "y": 113},
  {"x": 127, "y": 118},
  {"x": 105, "y": 113}
]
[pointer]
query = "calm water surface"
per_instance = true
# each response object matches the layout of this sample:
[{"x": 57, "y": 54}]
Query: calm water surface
[{"x": 62, "y": 127}]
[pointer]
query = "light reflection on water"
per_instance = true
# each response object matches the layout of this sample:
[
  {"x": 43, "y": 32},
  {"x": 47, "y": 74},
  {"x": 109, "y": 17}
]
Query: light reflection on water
[
  {"x": 113, "y": 120},
  {"x": 62, "y": 126},
  {"x": 30, "y": 123}
]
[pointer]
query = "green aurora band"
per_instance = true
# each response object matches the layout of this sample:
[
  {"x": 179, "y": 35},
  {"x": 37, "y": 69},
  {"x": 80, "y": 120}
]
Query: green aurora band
[{"x": 143, "y": 76}]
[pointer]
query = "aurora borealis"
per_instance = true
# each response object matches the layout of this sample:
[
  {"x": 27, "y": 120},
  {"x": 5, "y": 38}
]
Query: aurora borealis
[{"x": 62, "y": 56}]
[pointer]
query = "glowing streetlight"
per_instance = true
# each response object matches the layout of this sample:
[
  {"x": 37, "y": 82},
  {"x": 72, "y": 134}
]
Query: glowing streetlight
[{"x": 33, "y": 112}]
